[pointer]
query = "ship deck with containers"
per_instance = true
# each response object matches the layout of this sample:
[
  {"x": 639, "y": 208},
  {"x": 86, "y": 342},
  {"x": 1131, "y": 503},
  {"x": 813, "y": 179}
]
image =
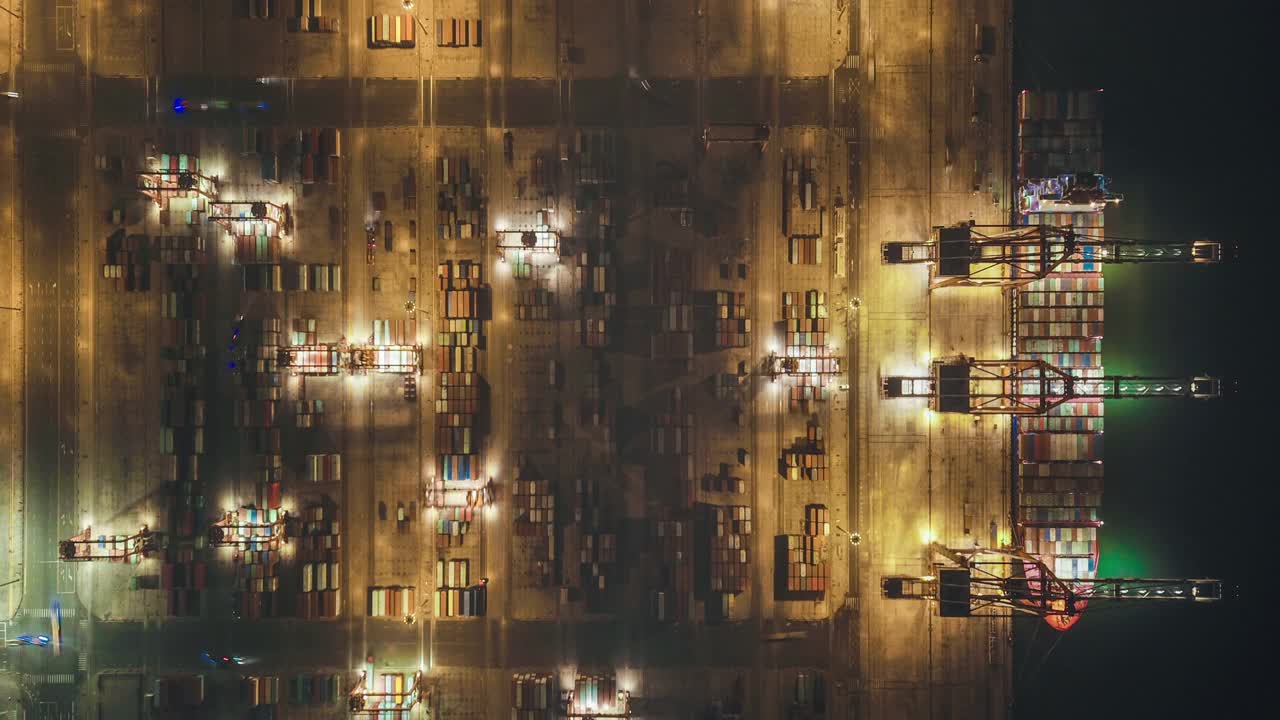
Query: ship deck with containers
[{"x": 1059, "y": 319}]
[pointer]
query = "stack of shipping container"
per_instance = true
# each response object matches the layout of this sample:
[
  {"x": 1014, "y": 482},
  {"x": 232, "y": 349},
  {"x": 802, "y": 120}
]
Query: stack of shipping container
[
  {"x": 594, "y": 407},
  {"x": 393, "y": 602},
  {"x": 534, "y": 696},
  {"x": 806, "y": 459},
  {"x": 308, "y": 413},
  {"x": 258, "y": 690},
  {"x": 534, "y": 503},
  {"x": 724, "y": 540},
  {"x": 319, "y": 155},
  {"x": 817, "y": 520},
  {"x": 456, "y": 595},
  {"x": 314, "y": 689},
  {"x": 1059, "y": 132},
  {"x": 452, "y": 525},
  {"x": 257, "y": 577},
  {"x": 461, "y": 206},
  {"x": 806, "y": 319},
  {"x": 595, "y": 693},
  {"x": 534, "y": 304},
  {"x": 732, "y": 324},
  {"x": 800, "y": 567},
  {"x": 1059, "y": 319},
  {"x": 310, "y": 17},
  {"x": 182, "y": 577},
  {"x": 672, "y": 432},
  {"x": 672, "y": 295},
  {"x": 265, "y": 143},
  {"x": 127, "y": 262},
  {"x": 809, "y": 695},
  {"x": 392, "y": 31},
  {"x": 458, "y": 486},
  {"x": 590, "y": 546},
  {"x": 183, "y": 353},
  {"x": 597, "y": 283},
  {"x": 319, "y": 557},
  {"x": 594, "y": 157},
  {"x": 318, "y": 277},
  {"x": 800, "y": 202},
  {"x": 302, "y": 331},
  {"x": 459, "y": 32},
  {"x": 804, "y": 250},
  {"x": 671, "y": 590}
]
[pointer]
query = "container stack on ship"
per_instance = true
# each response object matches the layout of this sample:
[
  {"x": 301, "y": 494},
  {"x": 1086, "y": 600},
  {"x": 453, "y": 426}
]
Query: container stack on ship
[{"x": 1059, "y": 319}]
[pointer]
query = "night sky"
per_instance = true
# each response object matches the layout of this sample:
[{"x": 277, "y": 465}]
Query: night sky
[{"x": 1190, "y": 486}]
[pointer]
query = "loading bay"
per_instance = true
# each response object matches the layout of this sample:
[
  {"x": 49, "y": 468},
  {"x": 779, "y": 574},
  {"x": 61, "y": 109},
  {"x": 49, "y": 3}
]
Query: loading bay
[{"x": 877, "y": 107}]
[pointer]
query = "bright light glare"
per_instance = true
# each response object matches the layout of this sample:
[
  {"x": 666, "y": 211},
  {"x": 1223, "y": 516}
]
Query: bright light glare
[{"x": 926, "y": 535}]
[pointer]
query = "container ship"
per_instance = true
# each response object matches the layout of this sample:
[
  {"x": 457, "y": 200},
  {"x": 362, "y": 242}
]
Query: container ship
[{"x": 1059, "y": 319}]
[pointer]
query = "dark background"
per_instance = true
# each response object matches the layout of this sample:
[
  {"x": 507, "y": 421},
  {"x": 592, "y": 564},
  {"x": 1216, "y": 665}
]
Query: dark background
[{"x": 1188, "y": 105}]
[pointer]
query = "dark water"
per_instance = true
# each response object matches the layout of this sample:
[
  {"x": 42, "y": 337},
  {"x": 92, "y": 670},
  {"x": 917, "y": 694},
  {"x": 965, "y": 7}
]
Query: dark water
[{"x": 1190, "y": 486}]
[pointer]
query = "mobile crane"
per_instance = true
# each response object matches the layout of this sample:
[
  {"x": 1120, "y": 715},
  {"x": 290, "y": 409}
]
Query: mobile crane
[
  {"x": 1029, "y": 387},
  {"x": 968, "y": 254},
  {"x": 84, "y": 547},
  {"x": 984, "y": 581}
]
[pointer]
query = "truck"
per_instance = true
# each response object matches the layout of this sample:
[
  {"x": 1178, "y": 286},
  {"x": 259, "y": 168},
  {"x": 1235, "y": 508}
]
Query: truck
[{"x": 736, "y": 133}]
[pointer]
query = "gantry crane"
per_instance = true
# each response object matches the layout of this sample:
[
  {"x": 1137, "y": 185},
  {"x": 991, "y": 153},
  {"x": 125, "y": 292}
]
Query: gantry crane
[
  {"x": 239, "y": 218},
  {"x": 814, "y": 361},
  {"x": 343, "y": 357},
  {"x": 1007, "y": 255},
  {"x": 987, "y": 581},
  {"x": 177, "y": 180},
  {"x": 83, "y": 547},
  {"x": 364, "y": 701},
  {"x": 249, "y": 529},
  {"x": 1029, "y": 387},
  {"x": 540, "y": 240}
]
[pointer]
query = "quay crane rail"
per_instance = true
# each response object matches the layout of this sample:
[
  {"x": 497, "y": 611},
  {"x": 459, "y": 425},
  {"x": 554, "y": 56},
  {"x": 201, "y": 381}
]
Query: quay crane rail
[
  {"x": 364, "y": 701},
  {"x": 983, "y": 581},
  {"x": 975, "y": 255},
  {"x": 1030, "y": 387},
  {"x": 84, "y": 547}
]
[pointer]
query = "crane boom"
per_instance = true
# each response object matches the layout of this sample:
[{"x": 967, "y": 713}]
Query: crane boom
[
  {"x": 1007, "y": 255},
  {"x": 1030, "y": 387},
  {"x": 1011, "y": 579}
]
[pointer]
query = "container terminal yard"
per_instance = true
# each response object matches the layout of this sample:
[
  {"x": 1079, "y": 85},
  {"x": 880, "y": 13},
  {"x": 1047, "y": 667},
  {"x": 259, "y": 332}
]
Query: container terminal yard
[{"x": 548, "y": 358}]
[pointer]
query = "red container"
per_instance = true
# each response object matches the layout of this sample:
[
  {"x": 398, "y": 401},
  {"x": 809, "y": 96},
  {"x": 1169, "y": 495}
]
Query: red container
[{"x": 166, "y": 576}]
